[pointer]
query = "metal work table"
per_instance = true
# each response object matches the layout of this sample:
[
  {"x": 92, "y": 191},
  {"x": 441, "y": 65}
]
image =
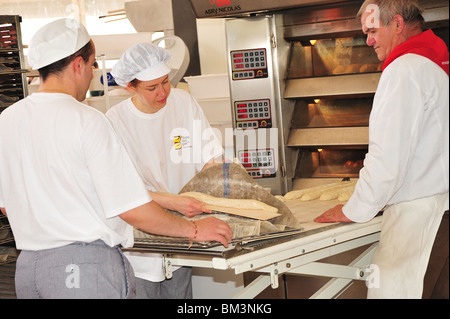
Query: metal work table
[{"x": 297, "y": 253}]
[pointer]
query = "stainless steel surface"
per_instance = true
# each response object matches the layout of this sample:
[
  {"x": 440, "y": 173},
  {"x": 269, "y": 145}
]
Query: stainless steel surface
[
  {"x": 339, "y": 20},
  {"x": 236, "y": 247},
  {"x": 227, "y": 8},
  {"x": 261, "y": 34},
  {"x": 343, "y": 85},
  {"x": 334, "y": 136}
]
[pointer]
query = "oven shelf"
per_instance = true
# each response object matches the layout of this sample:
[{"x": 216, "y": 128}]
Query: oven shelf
[
  {"x": 330, "y": 136},
  {"x": 364, "y": 84}
]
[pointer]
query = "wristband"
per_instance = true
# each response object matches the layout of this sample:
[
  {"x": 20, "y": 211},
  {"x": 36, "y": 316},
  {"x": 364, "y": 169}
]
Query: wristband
[{"x": 195, "y": 235}]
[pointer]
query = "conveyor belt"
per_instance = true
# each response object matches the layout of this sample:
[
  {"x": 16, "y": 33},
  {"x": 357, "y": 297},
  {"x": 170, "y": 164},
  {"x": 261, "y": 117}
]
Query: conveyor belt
[
  {"x": 305, "y": 212},
  {"x": 236, "y": 247},
  {"x": 296, "y": 253}
]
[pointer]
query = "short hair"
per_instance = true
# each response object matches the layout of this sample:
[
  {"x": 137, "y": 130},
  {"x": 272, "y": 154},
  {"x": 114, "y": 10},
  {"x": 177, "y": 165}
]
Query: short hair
[
  {"x": 410, "y": 10},
  {"x": 85, "y": 52}
]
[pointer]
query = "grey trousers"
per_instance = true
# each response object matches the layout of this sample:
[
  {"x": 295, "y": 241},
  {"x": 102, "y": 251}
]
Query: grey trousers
[
  {"x": 76, "y": 271},
  {"x": 178, "y": 287}
]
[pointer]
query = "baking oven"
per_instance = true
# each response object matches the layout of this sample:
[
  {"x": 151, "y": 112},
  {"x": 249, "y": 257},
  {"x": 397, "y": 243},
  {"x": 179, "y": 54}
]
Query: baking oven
[{"x": 302, "y": 82}]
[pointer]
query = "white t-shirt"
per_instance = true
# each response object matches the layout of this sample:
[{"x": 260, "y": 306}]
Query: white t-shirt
[
  {"x": 168, "y": 148},
  {"x": 408, "y": 154},
  {"x": 64, "y": 175}
]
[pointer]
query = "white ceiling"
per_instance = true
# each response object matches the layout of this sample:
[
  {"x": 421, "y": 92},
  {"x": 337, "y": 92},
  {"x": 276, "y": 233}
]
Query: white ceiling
[{"x": 58, "y": 8}]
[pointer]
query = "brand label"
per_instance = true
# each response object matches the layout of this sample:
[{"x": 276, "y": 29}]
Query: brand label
[{"x": 221, "y": 7}]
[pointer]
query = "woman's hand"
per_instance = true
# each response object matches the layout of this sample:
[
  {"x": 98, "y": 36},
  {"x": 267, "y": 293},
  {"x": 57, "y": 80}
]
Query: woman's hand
[{"x": 189, "y": 206}]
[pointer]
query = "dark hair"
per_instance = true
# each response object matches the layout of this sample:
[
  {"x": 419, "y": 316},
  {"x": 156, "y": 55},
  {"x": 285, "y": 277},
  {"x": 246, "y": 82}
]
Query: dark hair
[
  {"x": 134, "y": 83},
  {"x": 56, "y": 67}
]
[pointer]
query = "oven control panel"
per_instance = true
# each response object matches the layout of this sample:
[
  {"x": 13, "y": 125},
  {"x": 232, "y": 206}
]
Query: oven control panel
[
  {"x": 253, "y": 114},
  {"x": 258, "y": 163},
  {"x": 249, "y": 64}
]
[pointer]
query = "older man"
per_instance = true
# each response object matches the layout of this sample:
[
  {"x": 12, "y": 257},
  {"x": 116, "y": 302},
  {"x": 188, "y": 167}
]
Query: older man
[{"x": 407, "y": 167}]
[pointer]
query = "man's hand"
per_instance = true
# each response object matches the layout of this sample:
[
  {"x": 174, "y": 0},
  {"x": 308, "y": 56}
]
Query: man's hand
[
  {"x": 3, "y": 210},
  {"x": 213, "y": 229},
  {"x": 153, "y": 219},
  {"x": 333, "y": 215}
]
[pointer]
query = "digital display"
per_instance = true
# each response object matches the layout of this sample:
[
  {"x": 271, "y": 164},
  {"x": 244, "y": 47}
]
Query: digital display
[
  {"x": 253, "y": 114},
  {"x": 258, "y": 163},
  {"x": 249, "y": 64}
]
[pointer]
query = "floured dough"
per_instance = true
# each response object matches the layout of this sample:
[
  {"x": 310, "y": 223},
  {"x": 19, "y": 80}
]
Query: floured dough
[
  {"x": 339, "y": 190},
  {"x": 231, "y": 203},
  {"x": 336, "y": 191},
  {"x": 298, "y": 194},
  {"x": 345, "y": 196}
]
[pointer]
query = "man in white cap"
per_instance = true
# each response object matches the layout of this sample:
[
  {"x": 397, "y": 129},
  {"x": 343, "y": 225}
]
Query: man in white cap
[
  {"x": 170, "y": 140},
  {"x": 69, "y": 188}
]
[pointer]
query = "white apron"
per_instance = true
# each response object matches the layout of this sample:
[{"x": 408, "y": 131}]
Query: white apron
[{"x": 407, "y": 236}]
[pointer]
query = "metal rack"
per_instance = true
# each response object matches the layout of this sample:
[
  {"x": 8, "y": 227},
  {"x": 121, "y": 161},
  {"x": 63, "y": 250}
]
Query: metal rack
[
  {"x": 13, "y": 79},
  {"x": 301, "y": 254},
  {"x": 13, "y": 87},
  {"x": 8, "y": 257}
]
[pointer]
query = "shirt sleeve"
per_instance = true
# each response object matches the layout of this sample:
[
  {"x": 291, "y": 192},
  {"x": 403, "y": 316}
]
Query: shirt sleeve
[
  {"x": 394, "y": 128},
  {"x": 118, "y": 185}
]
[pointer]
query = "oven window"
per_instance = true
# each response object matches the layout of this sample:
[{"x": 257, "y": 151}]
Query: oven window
[
  {"x": 332, "y": 57},
  {"x": 332, "y": 113}
]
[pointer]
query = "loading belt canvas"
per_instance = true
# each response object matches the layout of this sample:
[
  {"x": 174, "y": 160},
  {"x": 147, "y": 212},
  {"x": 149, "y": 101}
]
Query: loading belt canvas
[{"x": 230, "y": 180}]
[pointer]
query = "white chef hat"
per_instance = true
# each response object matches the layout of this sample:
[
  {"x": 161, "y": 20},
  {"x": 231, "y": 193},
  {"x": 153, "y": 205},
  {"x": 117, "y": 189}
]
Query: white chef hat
[
  {"x": 55, "y": 41},
  {"x": 143, "y": 61}
]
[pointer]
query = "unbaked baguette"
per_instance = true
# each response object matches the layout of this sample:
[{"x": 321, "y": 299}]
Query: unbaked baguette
[
  {"x": 231, "y": 203},
  {"x": 345, "y": 196},
  {"x": 297, "y": 194},
  {"x": 335, "y": 192}
]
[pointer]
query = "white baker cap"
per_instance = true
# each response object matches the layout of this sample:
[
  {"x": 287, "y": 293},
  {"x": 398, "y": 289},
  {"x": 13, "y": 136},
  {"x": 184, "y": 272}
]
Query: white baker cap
[
  {"x": 55, "y": 41},
  {"x": 143, "y": 61}
]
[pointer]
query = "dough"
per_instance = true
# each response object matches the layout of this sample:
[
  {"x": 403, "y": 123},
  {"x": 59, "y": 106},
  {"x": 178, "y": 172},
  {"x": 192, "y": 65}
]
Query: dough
[
  {"x": 228, "y": 202},
  {"x": 243, "y": 207},
  {"x": 336, "y": 191},
  {"x": 324, "y": 192},
  {"x": 345, "y": 197},
  {"x": 298, "y": 194}
]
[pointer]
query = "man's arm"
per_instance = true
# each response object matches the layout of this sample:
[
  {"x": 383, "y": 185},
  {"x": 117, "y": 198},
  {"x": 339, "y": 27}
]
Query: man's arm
[
  {"x": 151, "y": 218},
  {"x": 3, "y": 211},
  {"x": 333, "y": 215}
]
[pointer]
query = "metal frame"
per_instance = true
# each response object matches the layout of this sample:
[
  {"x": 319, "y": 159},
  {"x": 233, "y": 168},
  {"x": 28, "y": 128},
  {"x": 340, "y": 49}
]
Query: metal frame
[
  {"x": 298, "y": 256},
  {"x": 264, "y": 32}
]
